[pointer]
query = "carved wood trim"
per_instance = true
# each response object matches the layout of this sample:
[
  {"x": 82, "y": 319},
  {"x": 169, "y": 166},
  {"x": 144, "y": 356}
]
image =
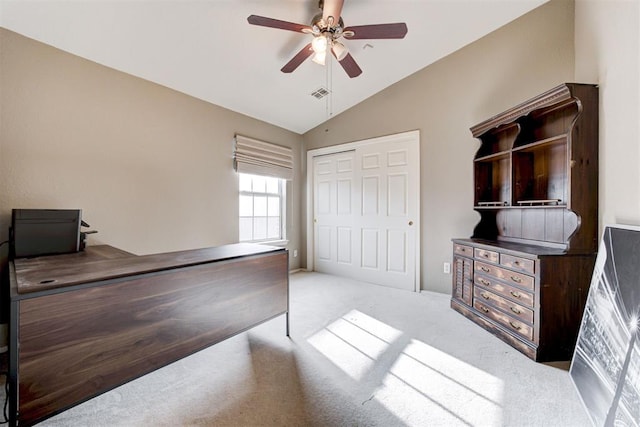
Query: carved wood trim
[{"x": 553, "y": 96}]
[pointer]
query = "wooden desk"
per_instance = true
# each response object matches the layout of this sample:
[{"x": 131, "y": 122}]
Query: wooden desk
[{"x": 84, "y": 323}]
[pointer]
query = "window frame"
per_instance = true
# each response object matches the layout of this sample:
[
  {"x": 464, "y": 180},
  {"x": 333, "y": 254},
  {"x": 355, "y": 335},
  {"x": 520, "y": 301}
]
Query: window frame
[{"x": 281, "y": 194}]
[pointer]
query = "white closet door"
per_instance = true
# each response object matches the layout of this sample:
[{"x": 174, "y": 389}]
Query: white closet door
[
  {"x": 334, "y": 214},
  {"x": 366, "y": 206}
]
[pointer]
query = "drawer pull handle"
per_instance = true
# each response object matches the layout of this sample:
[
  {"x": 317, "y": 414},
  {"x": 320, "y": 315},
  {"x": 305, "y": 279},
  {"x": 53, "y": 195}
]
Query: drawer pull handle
[
  {"x": 484, "y": 282},
  {"x": 514, "y": 326},
  {"x": 485, "y": 309},
  {"x": 485, "y": 269},
  {"x": 485, "y": 296},
  {"x": 485, "y": 255},
  {"x": 515, "y": 310},
  {"x": 516, "y": 279},
  {"x": 515, "y": 294},
  {"x": 516, "y": 262}
]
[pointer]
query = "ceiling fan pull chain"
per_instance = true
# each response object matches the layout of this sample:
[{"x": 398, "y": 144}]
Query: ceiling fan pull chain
[{"x": 330, "y": 87}]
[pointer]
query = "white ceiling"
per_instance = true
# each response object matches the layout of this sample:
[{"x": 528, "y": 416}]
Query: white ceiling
[{"x": 208, "y": 50}]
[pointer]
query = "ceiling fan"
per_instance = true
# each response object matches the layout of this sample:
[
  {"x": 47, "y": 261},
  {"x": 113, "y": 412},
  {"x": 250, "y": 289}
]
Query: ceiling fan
[{"x": 327, "y": 28}]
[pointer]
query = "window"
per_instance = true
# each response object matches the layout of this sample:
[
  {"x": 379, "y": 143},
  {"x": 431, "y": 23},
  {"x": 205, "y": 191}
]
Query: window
[{"x": 262, "y": 201}]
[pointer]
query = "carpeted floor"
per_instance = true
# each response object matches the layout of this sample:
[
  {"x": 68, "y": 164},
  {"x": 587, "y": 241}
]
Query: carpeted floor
[{"x": 359, "y": 355}]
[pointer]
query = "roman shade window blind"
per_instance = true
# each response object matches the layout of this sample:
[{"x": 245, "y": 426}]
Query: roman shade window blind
[{"x": 262, "y": 158}]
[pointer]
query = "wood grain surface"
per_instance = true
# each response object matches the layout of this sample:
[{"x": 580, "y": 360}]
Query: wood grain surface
[
  {"x": 77, "y": 344},
  {"x": 43, "y": 273}
]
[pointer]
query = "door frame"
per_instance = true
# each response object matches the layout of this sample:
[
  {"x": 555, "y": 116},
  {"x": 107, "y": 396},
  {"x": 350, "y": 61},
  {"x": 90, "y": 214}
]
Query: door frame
[{"x": 411, "y": 136}]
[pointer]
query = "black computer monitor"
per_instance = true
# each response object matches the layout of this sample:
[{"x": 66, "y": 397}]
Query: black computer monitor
[{"x": 45, "y": 231}]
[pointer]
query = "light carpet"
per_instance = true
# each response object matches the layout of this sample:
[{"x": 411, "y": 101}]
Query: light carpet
[{"x": 359, "y": 355}]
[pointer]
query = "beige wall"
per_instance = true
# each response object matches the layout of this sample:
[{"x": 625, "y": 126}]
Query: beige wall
[
  {"x": 526, "y": 57},
  {"x": 607, "y": 41},
  {"x": 150, "y": 167}
]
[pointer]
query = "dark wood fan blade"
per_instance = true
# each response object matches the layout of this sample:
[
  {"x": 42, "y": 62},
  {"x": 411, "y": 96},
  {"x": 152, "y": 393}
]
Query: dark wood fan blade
[
  {"x": 378, "y": 31},
  {"x": 350, "y": 66},
  {"x": 298, "y": 59},
  {"x": 276, "y": 23}
]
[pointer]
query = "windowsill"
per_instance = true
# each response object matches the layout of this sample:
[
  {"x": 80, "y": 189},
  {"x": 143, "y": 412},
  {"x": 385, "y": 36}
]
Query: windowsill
[{"x": 280, "y": 243}]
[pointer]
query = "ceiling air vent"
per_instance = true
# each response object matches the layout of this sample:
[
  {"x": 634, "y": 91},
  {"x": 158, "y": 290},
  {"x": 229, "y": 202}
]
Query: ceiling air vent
[{"x": 320, "y": 93}]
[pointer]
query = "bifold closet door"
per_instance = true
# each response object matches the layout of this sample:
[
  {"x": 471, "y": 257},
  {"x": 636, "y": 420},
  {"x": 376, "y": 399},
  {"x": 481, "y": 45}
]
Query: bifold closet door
[
  {"x": 335, "y": 214},
  {"x": 366, "y": 213}
]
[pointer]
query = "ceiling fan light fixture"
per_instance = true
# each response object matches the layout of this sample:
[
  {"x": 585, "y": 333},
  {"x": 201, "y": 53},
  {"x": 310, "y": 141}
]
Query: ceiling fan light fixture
[
  {"x": 339, "y": 50},
  {"x": 319, "y": 44},
  {"x": 320, "y": 57}
]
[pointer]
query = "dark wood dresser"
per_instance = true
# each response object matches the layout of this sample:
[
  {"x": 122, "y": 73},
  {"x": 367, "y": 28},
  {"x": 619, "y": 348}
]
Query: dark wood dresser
[
  {"x": 84, "y": 323},
  {"x": 524, "y": 275}
]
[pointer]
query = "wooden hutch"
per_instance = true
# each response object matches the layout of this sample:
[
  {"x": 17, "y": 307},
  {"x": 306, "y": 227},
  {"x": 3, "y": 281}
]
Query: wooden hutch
[{"x": 525, "y": 273}]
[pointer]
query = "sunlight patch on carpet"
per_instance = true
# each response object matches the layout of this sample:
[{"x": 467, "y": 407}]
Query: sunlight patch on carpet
[
  {"x": 426, "y": 383},
  {"x": 354, "y": 342}
]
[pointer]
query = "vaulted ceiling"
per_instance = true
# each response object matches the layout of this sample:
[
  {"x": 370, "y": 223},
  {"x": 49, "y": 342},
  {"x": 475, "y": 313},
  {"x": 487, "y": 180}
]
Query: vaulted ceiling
[{"x": 207, "y": 49}]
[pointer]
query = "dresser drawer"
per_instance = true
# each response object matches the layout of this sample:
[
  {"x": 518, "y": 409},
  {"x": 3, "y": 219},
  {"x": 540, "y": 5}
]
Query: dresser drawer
[
  {"x": 509, "y": 322},
  {"x": 504, "y": 304},
  {"x": 508, "y": 276},
  {"x": 500, "y": 288},
  {"x": 486, "y": 255},
  {"x": 463, "y": 250},
  {"x": 517, "y": 263}
]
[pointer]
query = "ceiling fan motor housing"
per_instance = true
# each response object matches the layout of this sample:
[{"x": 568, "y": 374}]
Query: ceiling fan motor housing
[{"x": 321, "y": 27}]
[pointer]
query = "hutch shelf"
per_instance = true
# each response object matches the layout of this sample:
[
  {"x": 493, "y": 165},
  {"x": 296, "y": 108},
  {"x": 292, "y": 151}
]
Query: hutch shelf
[{"x": 525, "y": 272}]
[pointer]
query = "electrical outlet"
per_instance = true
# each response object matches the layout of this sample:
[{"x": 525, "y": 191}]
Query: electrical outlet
[
  {"x": 295, "y": 253},
  {"x": 446, "y": 268}
]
